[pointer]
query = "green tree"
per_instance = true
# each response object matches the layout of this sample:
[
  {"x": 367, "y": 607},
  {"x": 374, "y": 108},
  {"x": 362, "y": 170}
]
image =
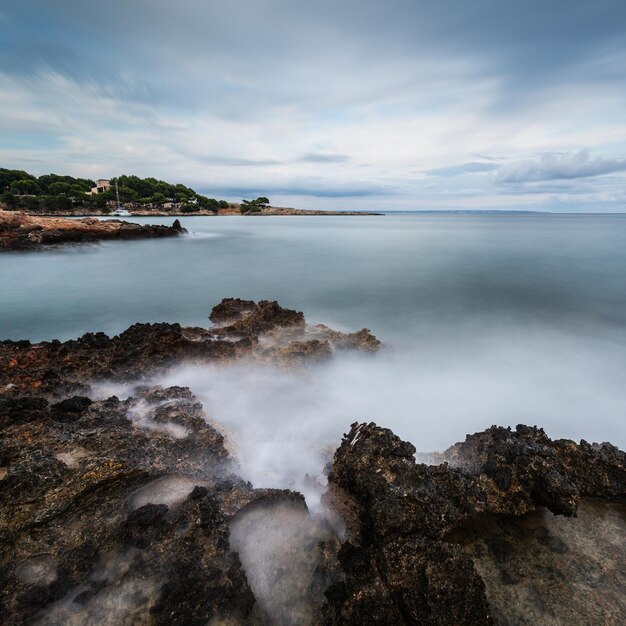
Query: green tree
[
  {"x": 158, "y": 198},
  {"x": 25, "y": 186},
  {"x": 32, "y": 203},
  {"x": 9, "y": 200},
  {"x": 249, "y": 206}
]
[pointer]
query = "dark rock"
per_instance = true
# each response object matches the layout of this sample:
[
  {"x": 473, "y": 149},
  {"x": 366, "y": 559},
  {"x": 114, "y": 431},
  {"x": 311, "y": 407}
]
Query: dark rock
[
  {"x": 68, "y": 368},
  {"x": 400, "y": 563},
  {"x": 71, "y": 408},
  {"x": 245, "y": 318},
  {"x": 198, "y": 492},
  {"x": 178, "y": 227},
  {"x": 147, "y": 515},
  {"x": 28, "y": 232},
  {"x": 22, "y": 410},
  {"x": 231, "y": 309},
  {"x": 176, "y": 555}
]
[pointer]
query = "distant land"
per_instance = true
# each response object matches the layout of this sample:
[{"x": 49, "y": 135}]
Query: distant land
[{"x": 54, "y": 194}]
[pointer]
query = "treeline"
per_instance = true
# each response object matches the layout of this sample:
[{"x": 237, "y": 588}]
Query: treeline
[{"x": 54, "y": 193}]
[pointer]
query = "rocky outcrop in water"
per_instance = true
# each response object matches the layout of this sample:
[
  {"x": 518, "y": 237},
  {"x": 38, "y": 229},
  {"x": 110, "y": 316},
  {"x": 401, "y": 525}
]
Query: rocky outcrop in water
[
  {"x": 19, "y": 231},
  {"x": 131, "y": 511},
  {"x": 118, "y": 512},
  {"x": 403, "y": 561},
  {"x": 263, "y": 332}
]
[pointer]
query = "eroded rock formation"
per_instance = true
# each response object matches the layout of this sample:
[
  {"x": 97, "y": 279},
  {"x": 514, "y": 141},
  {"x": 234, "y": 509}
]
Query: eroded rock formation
[
  {"x": 19, "y": 231},
  {"x": 118, "y": 512},
  {"x": 403, "y": 561},
  {"x": 265, "y": 332},
  {"x": 131, "y": 511}
]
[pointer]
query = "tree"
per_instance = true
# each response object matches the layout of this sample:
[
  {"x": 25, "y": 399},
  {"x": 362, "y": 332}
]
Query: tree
[
  {"x": 158, "y": 199},
  {"x": 32, "y": 203},
  {"x": 254, "y": 206},
  {"x": 9, "y": 200},
  {"x": 249, "y": 206},
  {"x": 59, "y": 203},
  {"x": 25, "y": 186}
]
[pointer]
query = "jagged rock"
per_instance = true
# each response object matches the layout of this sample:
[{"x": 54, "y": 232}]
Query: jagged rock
[
  {"x": 70, "y": 408},
  {"x": 147, "y": 515},
  {"x": 231, "y": 309},
  {"x": 178, "y": 226},
  {"x": 19, "y": 231},
  {"x": 263, "y": 332},
  {"x": 243, "y": 318},
  {"x": 130, "y": 501},
  {"x": 133, "y": 522},
  {"x": 399, "y": 564}
]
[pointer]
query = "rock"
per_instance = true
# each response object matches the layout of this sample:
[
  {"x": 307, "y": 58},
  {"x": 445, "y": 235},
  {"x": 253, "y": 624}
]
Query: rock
[
  {"x": 19, "y": 231},
  {"x": 71, "y": 408},
  {"x": 265, "y": 332},
  {"x": 198, "y": 492},
  {"x": 250, "y": 319},
  {"x": 231, "y": 309},
  {"x": 122, "y": 511},
  {"x": 178, "y": 227},
  {"x": 171, "y": 562},
  {"x": 21, "y": 410},
  {"x": 147, "y": 515},
  {"x": 401, "y": 562}
]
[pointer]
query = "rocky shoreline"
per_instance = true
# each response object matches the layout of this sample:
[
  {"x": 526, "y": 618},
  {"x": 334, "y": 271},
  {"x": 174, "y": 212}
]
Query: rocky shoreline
[
  {"x": 131, "y": 510},
  {"x": 19, "y": 231},
  {"x": 219, "y": 213}
]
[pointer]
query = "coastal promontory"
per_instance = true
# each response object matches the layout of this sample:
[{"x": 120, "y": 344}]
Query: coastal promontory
[{"x": 19, "y": 231}]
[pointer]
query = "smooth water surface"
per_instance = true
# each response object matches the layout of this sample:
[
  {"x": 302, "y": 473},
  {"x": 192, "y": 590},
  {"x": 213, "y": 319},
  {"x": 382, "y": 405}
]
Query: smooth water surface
[{"x": 487, "y": 318}]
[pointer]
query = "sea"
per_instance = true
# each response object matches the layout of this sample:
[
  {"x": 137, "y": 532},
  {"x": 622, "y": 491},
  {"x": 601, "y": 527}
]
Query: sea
[{"x": 485, "y": 319}]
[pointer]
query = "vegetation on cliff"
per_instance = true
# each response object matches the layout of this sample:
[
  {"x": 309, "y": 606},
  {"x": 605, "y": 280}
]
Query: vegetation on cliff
[
  {"x": 55, "y": 193},
  {"x": 254, "y": 206}
]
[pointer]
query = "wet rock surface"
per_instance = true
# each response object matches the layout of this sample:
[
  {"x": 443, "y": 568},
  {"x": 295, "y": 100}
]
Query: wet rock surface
[
  {"x": 119, "y": 510},
  {"x": 404, "y": 559},
  {"x": 108, "y": 521},
  {"x": 19, "y": 231},
  {"x": 547, "y": 569},
  {"x": 129, "y": 510},
  {"x": 263, "y": 332}
]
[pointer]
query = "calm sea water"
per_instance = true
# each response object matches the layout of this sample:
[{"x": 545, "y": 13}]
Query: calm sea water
[{"x": 487, "y": 318}]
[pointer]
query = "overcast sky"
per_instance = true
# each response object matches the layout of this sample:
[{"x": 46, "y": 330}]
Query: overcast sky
[{"x": 396, "y": 104}]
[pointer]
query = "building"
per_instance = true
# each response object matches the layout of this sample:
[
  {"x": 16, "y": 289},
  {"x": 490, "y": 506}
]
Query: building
[{"x": 102, "y": 185}]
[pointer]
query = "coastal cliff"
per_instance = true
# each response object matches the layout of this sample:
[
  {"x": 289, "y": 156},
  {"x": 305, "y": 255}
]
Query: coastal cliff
[
  {"x": 19, "y": 231},
  {"x": 131, "y": 510}
]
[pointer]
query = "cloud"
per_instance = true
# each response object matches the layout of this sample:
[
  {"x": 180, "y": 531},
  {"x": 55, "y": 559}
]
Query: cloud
[
  {"x": 273, "y": 95},
  {"x": 465, "y": 168},
  {"x": 558, "y": 166},
  {"x": 322, "y": 188},
  {"x": 313, "y": 157},
  {"x": 218, "y": 160}
]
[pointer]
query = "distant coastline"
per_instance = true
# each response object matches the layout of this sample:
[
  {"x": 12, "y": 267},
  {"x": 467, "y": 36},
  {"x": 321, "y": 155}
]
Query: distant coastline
[
  {"x": 54, "y": 195},
  {"x": 270, "y": 211}
]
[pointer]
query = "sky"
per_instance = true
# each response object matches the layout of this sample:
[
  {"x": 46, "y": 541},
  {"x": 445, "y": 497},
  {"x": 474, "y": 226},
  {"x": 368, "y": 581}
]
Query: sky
[{"x": 342, "y": 104}]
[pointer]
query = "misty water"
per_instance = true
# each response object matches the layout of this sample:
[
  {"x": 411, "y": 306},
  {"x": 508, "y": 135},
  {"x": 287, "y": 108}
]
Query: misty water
[{"x": 486, "y": 319}]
